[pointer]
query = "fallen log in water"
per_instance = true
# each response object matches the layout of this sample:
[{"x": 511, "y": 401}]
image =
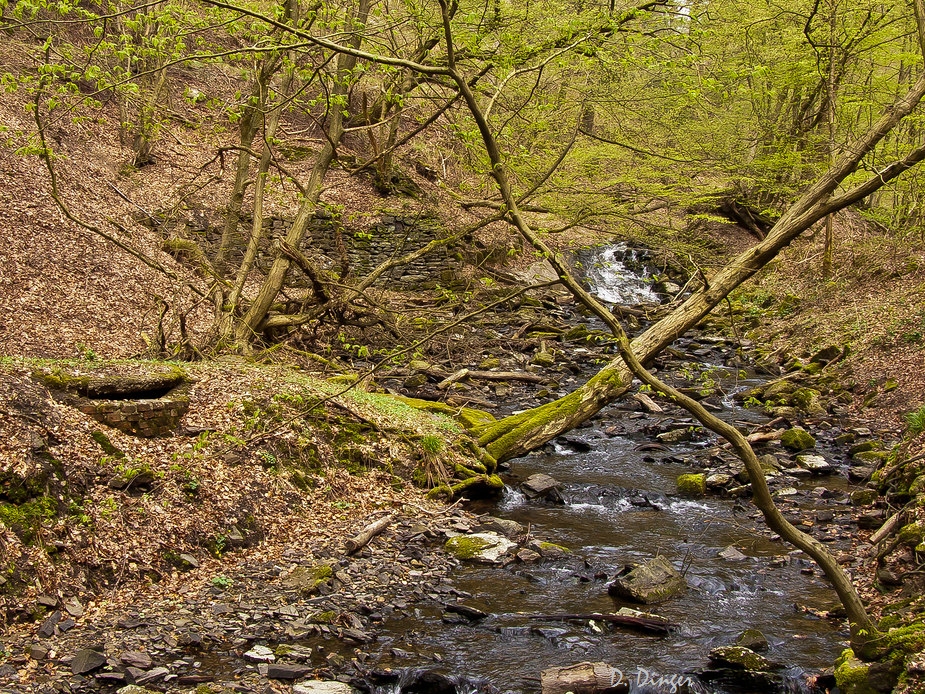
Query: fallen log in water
[{"x": 654, "y": 625}]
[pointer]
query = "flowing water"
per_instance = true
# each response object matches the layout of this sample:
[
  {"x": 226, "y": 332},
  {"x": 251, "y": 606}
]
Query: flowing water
[{"x": 620, "y": 506}]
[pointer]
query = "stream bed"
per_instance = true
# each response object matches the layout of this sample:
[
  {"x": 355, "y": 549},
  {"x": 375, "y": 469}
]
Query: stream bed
[{"x": 619, "y": 506}]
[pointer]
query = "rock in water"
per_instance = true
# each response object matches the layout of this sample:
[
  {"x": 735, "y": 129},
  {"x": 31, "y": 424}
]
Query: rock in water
[
  {"x": 753, "y": 639},
  {"x": 741, "y": 658},
  {"x": 541, "y": 485},
  {"x": 655, "y": 581},
  {"x": 692, "y": 484}
]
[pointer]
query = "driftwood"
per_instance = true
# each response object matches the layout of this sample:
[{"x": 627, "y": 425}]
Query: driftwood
[
  {"x": 886, "y": 529},
  {"x": 651, "y": 406},
  {"x": 583, "y": 678},
  {"x": 368, "y": 533},
  {"x": 762, "y": 436},
  {"x": 655, "y": 625},
  {"x": 492, "y": 376}
]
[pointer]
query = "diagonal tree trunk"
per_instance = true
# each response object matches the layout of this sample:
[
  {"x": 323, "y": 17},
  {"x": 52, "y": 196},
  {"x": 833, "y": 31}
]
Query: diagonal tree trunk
[
  {"x": 251, "y": 321},
  {"x": 518, "y": 434}
]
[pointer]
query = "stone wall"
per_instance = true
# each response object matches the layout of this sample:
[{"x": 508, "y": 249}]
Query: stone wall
[
  {"x": 391, "y": 237},
  {"x": 145, "y": 417},
  {"x": 142, "y": 399}
]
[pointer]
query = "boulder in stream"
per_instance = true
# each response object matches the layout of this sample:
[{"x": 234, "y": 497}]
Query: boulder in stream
[
  {"x": 542, "y": 486},
  {"x": 692, "y": 484},
  {"x": 741, "y": 658},
  {"x": 655, "y": 581},
  {"x": 797, "y": 439},
  {"x": 753, "y": 639}
]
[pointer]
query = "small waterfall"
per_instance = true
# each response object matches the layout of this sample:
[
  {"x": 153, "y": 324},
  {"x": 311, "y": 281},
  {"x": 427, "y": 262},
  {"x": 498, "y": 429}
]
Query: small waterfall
[{"x": 612, "y": 281}]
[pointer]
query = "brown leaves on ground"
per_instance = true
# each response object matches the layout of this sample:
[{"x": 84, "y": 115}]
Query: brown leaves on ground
[{"x": 252, "y": 456}]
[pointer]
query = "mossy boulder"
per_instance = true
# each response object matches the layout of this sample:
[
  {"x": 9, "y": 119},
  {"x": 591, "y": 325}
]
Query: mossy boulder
[
  {"x": 692, "y": 484},
  {"x": 797, "y": 439},
  {"x": 779, "y": 390},
  {"x": 809, "y": 400},
  {"x": 741, "y": 658},
  {"x": 851, "y": 674},
  {"x": 871, "y": 457},
  {"x": 655, "y": 581},
  {"x": 912, "y": 534},
  {"x": 483, "y": 547},
  {"x": 308, "y": 579},
  {"x": 551, "y": 550},
  {"x": 543, "y": 358},
  {"x": 863, "y": 497},
  {"x": 865, "y": 446}
]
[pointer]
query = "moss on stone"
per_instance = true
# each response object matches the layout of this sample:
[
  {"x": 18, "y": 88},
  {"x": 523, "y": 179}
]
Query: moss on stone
[
  {"x": 742, "y": 658},
  {"x": 327, "y": 617},
  {"x": 863, "y": 497},
  {"x": 692, "y": 484},
  {"x": 465, "y": 547},
  {"x": 553, "y": 548},
  {"x": 851, "y": 674},
  {"x": 871, "y": 457},
  {"x": 797, "y": 439},
  {"x": 808, "y": 400},
  {"x": 912, "y": 534},
  {"x": 307, "y": 579}
]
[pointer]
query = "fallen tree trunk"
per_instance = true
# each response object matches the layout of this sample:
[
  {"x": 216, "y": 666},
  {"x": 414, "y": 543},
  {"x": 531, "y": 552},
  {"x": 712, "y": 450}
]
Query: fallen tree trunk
[
  {"x": 583, "y": 678},
  {"x": 518, "y": 434}
]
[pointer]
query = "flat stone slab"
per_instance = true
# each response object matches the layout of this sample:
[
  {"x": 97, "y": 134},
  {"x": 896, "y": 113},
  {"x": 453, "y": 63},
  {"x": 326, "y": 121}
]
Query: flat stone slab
[
  {"x": 655, "y": 581},
  {"x": 814, "y": 463},
  {"x": 284, "y": 671},
  {"x": 540, "y": 485},
  {"x": 86, "y": 661}
]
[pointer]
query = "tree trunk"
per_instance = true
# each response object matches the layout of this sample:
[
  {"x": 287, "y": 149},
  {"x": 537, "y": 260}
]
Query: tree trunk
[{"x": 250, "y": 323}]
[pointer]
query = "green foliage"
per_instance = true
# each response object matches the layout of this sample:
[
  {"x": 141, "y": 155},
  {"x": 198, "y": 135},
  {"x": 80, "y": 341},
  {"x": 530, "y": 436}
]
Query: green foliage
[
  {"x": 26, "y": 519},
  {"x": 915, "y": 422}
]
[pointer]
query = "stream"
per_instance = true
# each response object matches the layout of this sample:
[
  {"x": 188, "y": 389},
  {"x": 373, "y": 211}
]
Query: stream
[{"x": 620, "y": 506}]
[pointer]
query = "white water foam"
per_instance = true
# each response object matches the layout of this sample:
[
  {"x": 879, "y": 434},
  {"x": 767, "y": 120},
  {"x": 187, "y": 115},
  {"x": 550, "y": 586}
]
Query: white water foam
[{"x": 613, "y": 282}]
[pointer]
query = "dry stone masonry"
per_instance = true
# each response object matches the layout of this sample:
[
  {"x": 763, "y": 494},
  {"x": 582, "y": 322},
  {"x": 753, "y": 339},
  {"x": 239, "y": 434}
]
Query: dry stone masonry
[{"x": 142, "y": 400}]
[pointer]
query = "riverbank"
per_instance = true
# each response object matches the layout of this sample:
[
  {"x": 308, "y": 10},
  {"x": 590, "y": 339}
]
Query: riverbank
[{"x": 210, "y": 496}]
